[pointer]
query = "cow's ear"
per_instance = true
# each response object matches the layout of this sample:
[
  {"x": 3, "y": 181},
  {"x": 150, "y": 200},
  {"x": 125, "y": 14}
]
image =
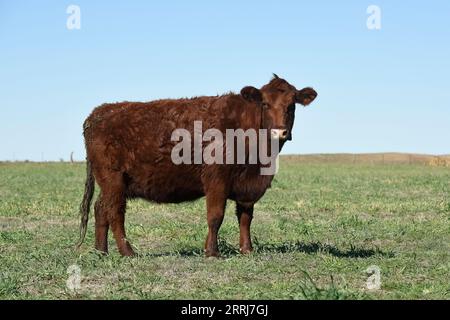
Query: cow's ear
[
  {"x": 251, "y": 94},
  {"x": 305, "y": 96}
]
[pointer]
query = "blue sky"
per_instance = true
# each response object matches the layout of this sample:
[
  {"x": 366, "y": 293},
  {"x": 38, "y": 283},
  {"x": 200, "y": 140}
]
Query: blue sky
[{"x": 379, "y": 90}]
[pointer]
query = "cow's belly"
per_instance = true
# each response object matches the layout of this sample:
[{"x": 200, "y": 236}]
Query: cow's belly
[
  {"x": 175, "y": 195},
  {"x": 165, "y": 183}
]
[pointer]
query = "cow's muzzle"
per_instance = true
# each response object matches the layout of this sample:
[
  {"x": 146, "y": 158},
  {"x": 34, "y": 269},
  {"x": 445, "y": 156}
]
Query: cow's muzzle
[{"x": 280, "y": 134}]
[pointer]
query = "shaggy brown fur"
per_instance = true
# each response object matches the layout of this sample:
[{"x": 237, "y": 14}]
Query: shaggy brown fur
[{"x": 129, "y": 149}]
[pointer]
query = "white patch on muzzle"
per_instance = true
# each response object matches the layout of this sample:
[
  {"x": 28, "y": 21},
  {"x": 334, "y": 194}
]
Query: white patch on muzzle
[{"x": 279, "y": 134}]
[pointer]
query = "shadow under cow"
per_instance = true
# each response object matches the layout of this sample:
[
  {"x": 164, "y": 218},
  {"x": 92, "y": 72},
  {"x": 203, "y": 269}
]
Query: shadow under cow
[{"x": 228, "y": 250}]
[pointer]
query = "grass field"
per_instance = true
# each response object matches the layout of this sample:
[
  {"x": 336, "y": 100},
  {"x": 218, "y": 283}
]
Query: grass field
[{"x": 315, "y": 232}]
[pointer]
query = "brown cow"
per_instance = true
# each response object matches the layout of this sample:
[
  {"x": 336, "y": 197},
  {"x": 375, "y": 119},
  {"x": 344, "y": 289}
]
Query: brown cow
[{"x": 129, "y": 148}]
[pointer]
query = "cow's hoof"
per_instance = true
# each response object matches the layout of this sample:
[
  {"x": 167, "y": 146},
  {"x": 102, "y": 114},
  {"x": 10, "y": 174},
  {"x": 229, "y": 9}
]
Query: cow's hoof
[
  {"x": 212, "y": 254},
  {"x": 246, "y": 250},
  {"x": 128, "y": 252},
  {"x": 125, "y": 249},
  {"x": 101, "y": 253}
]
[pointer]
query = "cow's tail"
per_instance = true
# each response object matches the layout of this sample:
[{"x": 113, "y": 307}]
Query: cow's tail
[{"x": 89, "y": 188}]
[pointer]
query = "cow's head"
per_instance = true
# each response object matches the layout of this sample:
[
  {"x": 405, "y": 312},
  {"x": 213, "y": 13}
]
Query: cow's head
[{"x": 278, "y": 103}]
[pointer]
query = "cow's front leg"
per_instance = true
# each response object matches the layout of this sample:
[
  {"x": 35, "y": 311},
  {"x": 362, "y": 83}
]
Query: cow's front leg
[
  {"x": 245, "y": 215},
  {"x": 215, "y": 204}
]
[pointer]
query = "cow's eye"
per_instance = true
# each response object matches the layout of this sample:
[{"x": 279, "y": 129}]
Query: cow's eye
[{"x": 265, "y": 105}]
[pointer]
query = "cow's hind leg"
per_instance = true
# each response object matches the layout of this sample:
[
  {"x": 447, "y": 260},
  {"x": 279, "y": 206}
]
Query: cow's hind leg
[
  {"x": 117, "y": 222},
  {"x": 245, "y": 216},
  {"x": 101, "y": 227},
  {"x": 113, "y": 204}
]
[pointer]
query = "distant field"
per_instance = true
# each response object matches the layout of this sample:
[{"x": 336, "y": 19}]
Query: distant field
[
  {"x": 374, "y": 158},
  {"x": 325, "y": 220}
]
